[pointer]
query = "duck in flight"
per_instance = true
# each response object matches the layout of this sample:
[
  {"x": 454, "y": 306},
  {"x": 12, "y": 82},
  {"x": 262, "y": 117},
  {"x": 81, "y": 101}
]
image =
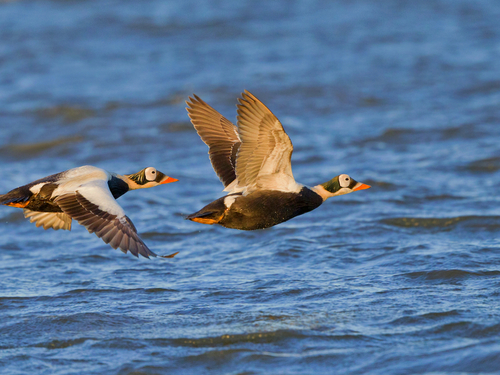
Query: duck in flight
[
  {"x": 87, "y": 194},
  {"x": 253, "y": 161}
]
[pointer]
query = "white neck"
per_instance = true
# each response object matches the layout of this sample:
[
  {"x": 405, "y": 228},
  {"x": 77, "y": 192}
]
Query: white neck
[
  {"x": 322, "y": 192},
  {"x": 132, "y": 185}
]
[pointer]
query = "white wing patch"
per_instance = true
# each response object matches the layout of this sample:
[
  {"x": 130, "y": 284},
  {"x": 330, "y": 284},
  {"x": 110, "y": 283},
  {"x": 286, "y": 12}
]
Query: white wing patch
[
  {"x": 97, "y": 192},
  {"x": 76, "y": 178},
  {"x": 35, "y": 189},
  {"x": 229, "y": 200},
  {"x": 54, "y": 220},
  {"x": 92, "y": 183}
]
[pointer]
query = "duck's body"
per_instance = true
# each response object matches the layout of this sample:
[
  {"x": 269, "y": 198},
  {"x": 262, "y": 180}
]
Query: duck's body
[
  {"x": 86, "y": 194},
  {"x": 258, "y": 210},
  {"x": 253, "y": 161}
]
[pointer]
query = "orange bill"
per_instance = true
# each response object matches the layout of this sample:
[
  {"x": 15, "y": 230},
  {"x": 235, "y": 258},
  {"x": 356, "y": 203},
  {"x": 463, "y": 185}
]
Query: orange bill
[
  {"x": 361, "y": 187},
  {"x": 168, "y": 180}
]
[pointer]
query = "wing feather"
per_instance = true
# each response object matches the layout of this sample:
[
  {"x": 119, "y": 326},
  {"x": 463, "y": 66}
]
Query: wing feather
[
  {"x": 219, "y": 134},
  {"x": 54, "y": 220},
  {"x": 111, "y": 228},
  {"x": 264, "y": 156}
]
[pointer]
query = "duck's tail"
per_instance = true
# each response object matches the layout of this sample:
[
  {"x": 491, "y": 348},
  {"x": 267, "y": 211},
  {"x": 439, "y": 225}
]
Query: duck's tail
[
  {"x": 14, "y": 199},
  {"x": 210, "y": 214},
  {"x": 206, "y": 217}
]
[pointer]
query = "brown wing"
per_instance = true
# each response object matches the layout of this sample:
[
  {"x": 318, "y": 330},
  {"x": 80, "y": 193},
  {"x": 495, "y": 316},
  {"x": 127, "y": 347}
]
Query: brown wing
[
  {"x": 119, "y": 232},
  {"x": 219, "y": 134},
  {"x": 266, "y": 150}
]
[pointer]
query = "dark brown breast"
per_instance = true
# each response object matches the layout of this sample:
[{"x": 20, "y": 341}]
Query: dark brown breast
[{"x": 266, "y": 208}]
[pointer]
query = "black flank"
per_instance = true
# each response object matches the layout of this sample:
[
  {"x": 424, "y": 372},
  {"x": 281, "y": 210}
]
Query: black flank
[
  {"x": 42, "y": 202},
  {"x": 266, "y": 208},
  {"x": 23, "y": 194},
  {"x": 261, "y": 209}
]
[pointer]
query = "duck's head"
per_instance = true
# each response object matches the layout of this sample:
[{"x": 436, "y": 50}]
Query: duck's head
[
  {"x": 339, "y": 185},
  {"x": 146, "y": 178}
]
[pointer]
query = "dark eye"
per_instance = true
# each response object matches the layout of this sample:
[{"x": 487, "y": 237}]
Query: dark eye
[{"x": 347, "y": 179}]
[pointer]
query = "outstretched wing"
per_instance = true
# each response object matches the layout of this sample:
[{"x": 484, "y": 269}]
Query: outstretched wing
[
  {"x": 54, "y": 220},
  {"x": 219, "y": 134},
  {"x": 264, "y": 157},
  {"x": 93, "y": 206}
]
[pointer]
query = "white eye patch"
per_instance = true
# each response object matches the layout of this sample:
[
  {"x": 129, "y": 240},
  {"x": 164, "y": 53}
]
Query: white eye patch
[
  {"x": 344, "y": 180},
  {"x": 150, "y": 173}
]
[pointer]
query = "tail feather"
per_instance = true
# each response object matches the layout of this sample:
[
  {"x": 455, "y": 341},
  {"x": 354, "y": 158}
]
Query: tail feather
[
  {"x": 206, "y": 217},
  {"x": 200, "y": 214},
  {"x": 13, "y": 200},
  {"x": 211, "y": 213}
]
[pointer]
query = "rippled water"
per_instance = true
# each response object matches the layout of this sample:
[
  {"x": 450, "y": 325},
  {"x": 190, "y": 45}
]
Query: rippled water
[{"x": 400, "y": 279}]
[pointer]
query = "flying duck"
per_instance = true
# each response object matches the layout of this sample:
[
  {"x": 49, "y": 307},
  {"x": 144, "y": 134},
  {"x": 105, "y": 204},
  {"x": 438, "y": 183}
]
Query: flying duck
[
  {"x": 87, "y": 194},
  {"x": 253, "y": 162}
]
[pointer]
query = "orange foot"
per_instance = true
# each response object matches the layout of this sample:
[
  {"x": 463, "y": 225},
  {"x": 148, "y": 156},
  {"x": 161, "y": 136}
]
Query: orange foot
[
  {"x": 168, "y": 256},
  {"x": 20, "y": 205},
  {"x": 204, "y": 220}
]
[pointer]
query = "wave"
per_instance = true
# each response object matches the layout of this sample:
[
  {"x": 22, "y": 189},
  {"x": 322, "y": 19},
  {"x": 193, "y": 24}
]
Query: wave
[
  {"x": 488, "y": 165},
  {"x": 410, "y": 136},
  {"x": 27, "y": 150},
  {"x": 69, "y": 114},
  {"x": 449, "y": 274},
  {"x": 61, "y": 344},
  {"x": 485, "y": 222},
  {"x": 426, "y": 318}
]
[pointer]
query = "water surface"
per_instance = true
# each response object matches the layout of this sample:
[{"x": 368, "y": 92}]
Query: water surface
[{"x": 400, "y": 279}]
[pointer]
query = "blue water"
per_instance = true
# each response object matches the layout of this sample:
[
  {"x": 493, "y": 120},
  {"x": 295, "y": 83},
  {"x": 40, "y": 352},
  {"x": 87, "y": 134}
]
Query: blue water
[{"x": 403, "y": 278}]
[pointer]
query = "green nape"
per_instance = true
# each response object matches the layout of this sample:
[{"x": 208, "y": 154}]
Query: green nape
[
  {"x": 139, "y": 177},
  {"x": 333, "y": 185}
]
